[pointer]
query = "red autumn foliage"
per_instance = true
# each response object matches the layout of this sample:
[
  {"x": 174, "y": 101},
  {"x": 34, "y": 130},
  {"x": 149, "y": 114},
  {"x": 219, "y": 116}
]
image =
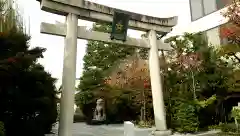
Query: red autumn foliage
[
  {"x": 190, "y": 60},
  {"x": 232, "y": 29},
  {"x": 226, "y": 32},
  {"x": 146, "y": 84},
  {"x": 132, "y": 73}
]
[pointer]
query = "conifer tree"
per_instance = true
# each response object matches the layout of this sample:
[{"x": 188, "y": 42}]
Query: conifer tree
[{"x": 27, "y": 91}]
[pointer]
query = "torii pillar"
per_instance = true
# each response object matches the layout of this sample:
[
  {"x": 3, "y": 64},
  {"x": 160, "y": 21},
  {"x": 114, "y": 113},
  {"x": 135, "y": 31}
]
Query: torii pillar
[{"x": 80, "y": 9}]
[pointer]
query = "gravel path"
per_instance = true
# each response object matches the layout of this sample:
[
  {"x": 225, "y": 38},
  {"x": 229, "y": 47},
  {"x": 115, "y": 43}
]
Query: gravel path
[{"x": 81, "y": 129}]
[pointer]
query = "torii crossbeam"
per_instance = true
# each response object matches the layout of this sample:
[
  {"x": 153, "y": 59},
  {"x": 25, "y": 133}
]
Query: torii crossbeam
[{"x": 80, "y": 9}]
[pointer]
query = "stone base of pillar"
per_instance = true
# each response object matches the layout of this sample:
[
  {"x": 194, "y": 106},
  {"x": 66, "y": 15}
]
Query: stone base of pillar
[{"x": 162, "y": 133}]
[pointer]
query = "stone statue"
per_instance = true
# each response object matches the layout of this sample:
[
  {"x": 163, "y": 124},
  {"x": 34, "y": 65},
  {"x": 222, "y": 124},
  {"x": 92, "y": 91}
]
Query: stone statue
[{"x": 99, "y": 112}]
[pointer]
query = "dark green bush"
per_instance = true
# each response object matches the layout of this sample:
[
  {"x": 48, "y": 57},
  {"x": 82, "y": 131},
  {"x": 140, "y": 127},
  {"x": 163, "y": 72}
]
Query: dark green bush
[
  {"x": 27, "y": 92},
  {"x": 119, "y": 107},
  {"x": 2, "y": 130},
  {"x": 86, "y": 102},
  {"x": 185, "y": 117},
  {"x": 230, "y": 127},
  {"x": 78, "y": 118}
]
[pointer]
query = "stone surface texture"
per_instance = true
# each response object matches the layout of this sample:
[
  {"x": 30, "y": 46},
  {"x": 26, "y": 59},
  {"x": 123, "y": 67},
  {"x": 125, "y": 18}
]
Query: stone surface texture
[{"x": 81, "y": 129}]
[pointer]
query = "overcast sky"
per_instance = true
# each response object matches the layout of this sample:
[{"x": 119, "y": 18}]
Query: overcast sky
[{"x": 53, "y": 57}]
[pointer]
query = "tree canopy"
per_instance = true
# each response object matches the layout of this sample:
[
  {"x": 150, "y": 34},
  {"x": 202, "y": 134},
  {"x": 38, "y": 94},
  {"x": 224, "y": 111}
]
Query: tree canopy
[
  {"x": 99, "y": 60},
  {"x": 198, "y": 80},
  {"x": 231, "y": 31}
]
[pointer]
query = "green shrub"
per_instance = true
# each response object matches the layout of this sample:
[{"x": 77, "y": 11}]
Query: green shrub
[
  {"x": 28, "y": 92},
  {"x": 78, "y": 118},
  {"x": 145, "y": 124},
  {"x": 86, "y": 102},
  {"x": 214, "y": 127},
  {"x": 2, "y": 130},
  {"x": 236, "y": 113},
  {"x": 119, "y": 105},
  {"x": 230, "y": 127},
  {"x": 185, "y": 118}
]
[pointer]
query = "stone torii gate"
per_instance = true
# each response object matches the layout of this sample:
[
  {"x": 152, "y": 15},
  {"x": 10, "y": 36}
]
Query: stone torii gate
[{"x": 80, "y": 9}]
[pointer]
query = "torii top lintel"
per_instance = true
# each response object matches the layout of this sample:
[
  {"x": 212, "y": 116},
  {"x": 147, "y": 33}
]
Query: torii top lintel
[{"x": 95, "y": 12}]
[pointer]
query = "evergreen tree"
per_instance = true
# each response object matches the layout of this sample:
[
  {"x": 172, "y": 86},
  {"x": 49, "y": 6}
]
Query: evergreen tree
[
  {"x": 99, "y": 61},
  {"x": 195, "y": 83},
  {"x": 27, "y": 91}
]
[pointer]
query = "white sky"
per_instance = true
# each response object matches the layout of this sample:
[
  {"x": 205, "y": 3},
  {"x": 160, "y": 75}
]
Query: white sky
[{"x": 53, "y": 57}]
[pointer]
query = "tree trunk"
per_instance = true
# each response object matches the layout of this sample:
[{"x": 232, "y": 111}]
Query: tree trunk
[
  {"x": 194, "y": 86},
  {"x": 144, "y": 106}
]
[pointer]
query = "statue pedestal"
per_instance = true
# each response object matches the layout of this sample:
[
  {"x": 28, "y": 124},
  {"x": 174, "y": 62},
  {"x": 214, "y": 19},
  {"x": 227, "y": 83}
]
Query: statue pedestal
[{"x": 161, "y": 133}]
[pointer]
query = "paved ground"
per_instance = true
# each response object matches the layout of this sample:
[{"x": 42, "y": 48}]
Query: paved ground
[{"x": 81, "y": 129}]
